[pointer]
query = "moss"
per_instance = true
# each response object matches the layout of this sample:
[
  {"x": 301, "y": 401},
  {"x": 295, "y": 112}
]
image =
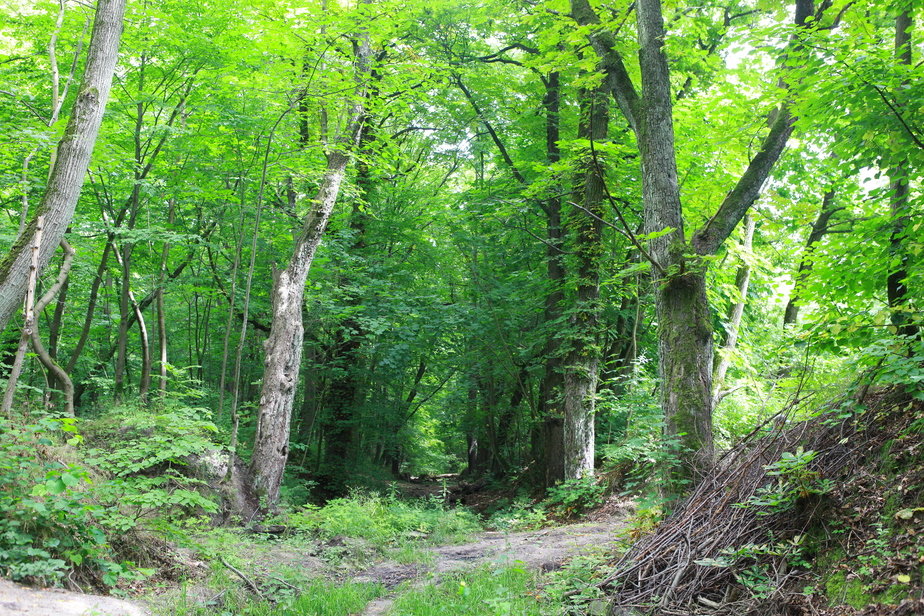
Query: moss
[
  {"x": 21, "y": 243},
  {"x": 853, "y": 591}
]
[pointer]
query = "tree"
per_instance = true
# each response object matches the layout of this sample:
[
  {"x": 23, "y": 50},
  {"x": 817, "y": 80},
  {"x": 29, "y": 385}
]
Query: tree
[
  {"x": 71, "y": 161},
  {"x": 283, "y": 348},
  {"x": 685, "y": 325}
]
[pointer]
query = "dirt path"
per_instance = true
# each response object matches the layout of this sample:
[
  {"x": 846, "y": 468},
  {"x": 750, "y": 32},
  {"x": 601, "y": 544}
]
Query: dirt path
[
  {"x": 16, "y": 600},
  {"x": 544, "y": 549}
]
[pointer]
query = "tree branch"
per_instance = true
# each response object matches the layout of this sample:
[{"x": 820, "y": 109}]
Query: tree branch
[
  {"x": 708, "y": 238},
  {"x": 604, "y": 43},
  {"x": 494, "y": 137}
]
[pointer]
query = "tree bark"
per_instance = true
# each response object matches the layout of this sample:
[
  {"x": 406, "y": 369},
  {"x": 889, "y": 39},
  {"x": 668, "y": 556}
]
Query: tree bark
[
  {"x": 345, "y": 393},
  {"x": 56, "y": 373},
  {"x": 682, "y": 307},
  {"x": 685, "y": 332},
  {"x": 900, "y": 206},
  {"x": 551, "y": 433},
  {"x": 29, "y": 309},
  {"x": 582, "y": 363},
  {"x": 161, "y": 309},
  {"x": 73, "y": 159},
  {"x": 733, "y": 324},
  {"x": 818, "y": 231},
  {"x": 284, "y": 345}
]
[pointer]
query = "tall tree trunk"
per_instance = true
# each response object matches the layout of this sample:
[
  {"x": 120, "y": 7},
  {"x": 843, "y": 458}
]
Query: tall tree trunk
[
  {"x": 128, "y": 298},
  {"x": 124, "y": 258},
  {"x": 551, "y": 435},
  {"x": 681, "y": 304},
  {"x": 161, "y": 310},
  {"x": 91, "y": 307},
  {"x": 344, "y": 394},
  {"x": 900, "y": 206},
  {"x": 735, "y": 312},
  {"x": 685, "y": 333},
  {"x": 284, "y": 345},
  {"x": 232, "y": 299},
  {"x": 72, "y": 160},
  {"x": 582, "y": 363}
]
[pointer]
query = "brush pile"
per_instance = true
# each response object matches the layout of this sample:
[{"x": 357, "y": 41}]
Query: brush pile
[{"x": 735, "y": 546}]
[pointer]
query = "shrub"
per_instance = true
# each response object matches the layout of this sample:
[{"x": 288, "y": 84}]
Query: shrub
[
  {"x": 575, "y": 496},
  {"x": 48, "y": 525},
  {"x": 58, "y": 515},
  {"x": 384, "y": 519}
]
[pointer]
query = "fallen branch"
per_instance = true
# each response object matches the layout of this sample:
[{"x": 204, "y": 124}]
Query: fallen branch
[{"x": 250, "y": 583}]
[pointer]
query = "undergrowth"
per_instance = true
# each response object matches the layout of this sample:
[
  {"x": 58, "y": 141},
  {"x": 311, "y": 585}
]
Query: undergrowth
[
  {"x": 79, "y": 499},
  {"x": 487, "y": 591},
  {"x": 385, "y": 520},
  {"x": 318, "y": 598}
]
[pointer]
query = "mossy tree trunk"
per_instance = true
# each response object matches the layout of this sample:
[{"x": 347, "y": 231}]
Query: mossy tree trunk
[
  {"x": 682, "y": 307},
  {"x": 67, "y": 175}
]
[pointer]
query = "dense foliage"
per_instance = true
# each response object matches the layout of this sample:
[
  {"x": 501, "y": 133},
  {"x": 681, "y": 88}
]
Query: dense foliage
[{"x": 495, "y": 293}]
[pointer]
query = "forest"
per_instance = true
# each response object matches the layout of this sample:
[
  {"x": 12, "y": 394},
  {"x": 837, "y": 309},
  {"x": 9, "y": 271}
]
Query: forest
[{"x": 501, "y": 307}]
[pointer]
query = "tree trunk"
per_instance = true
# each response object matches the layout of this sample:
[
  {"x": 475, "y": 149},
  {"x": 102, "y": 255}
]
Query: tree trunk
[
  {"x": 72, "y": 160},
  {"x": 161, "y": 310},
  {"x": 900, "y": 206},
  {"x": 55, "y": 373},
  {"x": 344, "y": 394},
  {"x": 128, "y": 299},
  {"x": 733, "y": 325},
  {"x": 681, "y": 304},
  {"x": 284, "y": 344},
  {"x": 582, "y": 363},
  {"x": 819, "y": 229},
  {"x": 91, "y": 308},
  {"x": 550, "y": 434},
  {"x": 232, "y": 298},
  {"x": 29, "y": 310}
]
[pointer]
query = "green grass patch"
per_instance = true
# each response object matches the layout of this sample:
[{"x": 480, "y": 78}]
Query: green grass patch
[
  {"x": 318, "y": 598},
  {"x": 485, "y": 591}
]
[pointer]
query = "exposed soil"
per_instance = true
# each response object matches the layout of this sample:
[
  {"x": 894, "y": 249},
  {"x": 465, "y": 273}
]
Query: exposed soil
[
  {"x": 544, "y": 550},
  {"x": 16, "y": 600}
]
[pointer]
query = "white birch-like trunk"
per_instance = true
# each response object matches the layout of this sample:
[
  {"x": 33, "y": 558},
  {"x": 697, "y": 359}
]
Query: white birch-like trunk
[{"x": 284, "y": 345}]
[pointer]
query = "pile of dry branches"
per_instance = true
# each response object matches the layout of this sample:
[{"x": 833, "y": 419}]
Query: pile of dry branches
[{"x": 693, "y": 563}]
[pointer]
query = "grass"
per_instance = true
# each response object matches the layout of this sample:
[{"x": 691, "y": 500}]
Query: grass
[
  {"x": 375, "y": 526},
  {"x": 318, "y": 598},
  {"x": 487, "y": 591}
]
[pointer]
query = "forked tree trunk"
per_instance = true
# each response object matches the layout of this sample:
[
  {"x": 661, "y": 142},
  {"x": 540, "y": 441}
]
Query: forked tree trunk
[
  {"x": 72, "y": 160},
  {"x": 685, "y": 326},
  {"x": 284, "y": 345}
]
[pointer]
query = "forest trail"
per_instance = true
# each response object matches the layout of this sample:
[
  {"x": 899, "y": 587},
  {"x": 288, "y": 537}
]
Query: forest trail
[{"x": 544, "y": 549}]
